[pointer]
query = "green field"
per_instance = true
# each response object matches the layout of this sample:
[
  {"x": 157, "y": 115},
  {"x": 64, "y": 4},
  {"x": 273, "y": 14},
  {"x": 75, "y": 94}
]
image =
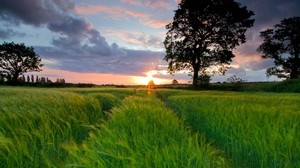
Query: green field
[{"x": 126, "y": 127}]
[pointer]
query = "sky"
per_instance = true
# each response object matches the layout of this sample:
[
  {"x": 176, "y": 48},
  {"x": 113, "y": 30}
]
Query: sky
[{"x": 121, "y": 41}]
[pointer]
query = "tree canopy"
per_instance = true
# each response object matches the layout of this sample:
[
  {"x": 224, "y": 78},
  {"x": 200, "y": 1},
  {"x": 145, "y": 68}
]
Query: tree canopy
[
  {"x": 16, "y": 59},
  {"x": 283, "y": 45},
  {"x": 204, "y": 33}
]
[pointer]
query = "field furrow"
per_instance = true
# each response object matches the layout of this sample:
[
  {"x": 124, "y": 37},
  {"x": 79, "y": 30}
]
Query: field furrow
[
  {"x": 142, "y": 132},
  {"x": 254, "y": 129}
]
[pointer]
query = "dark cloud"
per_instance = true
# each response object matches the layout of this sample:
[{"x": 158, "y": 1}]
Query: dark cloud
[
  {"x": 76, "y": 35},
  {"x": 269, "y": 12},
  {"x": 34, "y": 12}
]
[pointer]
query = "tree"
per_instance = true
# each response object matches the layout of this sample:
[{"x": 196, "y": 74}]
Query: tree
[
  {"x": 283, "y": 45},
  {"x": 174, "y": 82},
  {"x": 16, "y": 59},
  {"x": 235, "y": 79},
  {"x": 204, "y": 33}
]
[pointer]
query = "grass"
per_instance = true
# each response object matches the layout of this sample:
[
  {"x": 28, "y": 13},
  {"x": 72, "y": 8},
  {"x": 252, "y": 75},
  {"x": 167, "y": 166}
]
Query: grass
[
  {"x": 142, "y": 132},
  {"x": 287, "y": 86},
  {"x": 113, "y": 127},
  {"x": 254, "y": 129},
  {"x": 108, "y": 97},
  {"x": 34, "y": 123}
]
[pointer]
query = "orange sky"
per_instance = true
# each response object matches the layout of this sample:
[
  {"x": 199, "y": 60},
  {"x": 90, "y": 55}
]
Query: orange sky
[{"x": 97, "y": 78}]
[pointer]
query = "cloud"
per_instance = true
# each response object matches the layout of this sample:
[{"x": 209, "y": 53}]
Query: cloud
[
  {"x": 132, "y": 62},
  {"x": 177, "y": 1},
  {"x": 34, "y": 12},
  {"x": 119, "y": 13},
  {"x": 138, "y": 40},
  {"x": 75, "y": 34},
  {"x": 164, "y": 4},
  {"x": 77, "y": 46},
  {"x": 271, "y": 12}
]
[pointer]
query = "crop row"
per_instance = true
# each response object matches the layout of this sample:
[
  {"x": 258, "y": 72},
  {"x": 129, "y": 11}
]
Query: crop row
[
  {"x": 142, "y": 132},
  {"x": 254, "y": 129},
  {"x": 35, "y": 123}
]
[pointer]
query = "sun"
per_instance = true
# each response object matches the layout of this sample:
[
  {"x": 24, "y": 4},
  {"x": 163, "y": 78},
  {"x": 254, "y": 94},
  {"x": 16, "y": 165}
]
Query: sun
[
  {"x": 150, "y": 75},
  {"x": 144, "y": 80}
]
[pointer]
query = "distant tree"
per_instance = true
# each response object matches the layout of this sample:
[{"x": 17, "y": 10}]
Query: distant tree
[
  {"x": 283, "y": 45},
  {"x": 174, "y": 82},
  {"x": 16, "y": 59},
  {"x": 204, "y": 33},
  {"x": 60, "y": 80},
  {"x": 204, "y": 79},
  {"x": 235, "y": 79},
  {"x": 28, "y": 79},
  {"x": 43, "y": 80},
  {"x": 32, "y": 79}
]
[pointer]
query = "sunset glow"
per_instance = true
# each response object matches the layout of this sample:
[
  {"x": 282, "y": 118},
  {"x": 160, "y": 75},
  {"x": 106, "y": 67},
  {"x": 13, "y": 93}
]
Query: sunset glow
[
  {"x": 100, "y": 79},
  {"x": 151, "y": 76}
]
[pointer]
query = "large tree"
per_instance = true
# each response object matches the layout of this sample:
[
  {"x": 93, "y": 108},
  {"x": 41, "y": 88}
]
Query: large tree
[
  {"x": 283, "y": 45},
  {"x": 204, "y": 33},
  {"x": 16, "y": 59}
]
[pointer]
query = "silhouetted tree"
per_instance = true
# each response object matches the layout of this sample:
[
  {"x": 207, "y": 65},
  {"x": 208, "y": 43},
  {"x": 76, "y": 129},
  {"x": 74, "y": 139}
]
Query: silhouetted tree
[
  {"x": 204, "y": 79},
  {"x": 235, "y": 79},
  {"x": 28, "y": 79},
  {"x": 43, "y": 80},
  {"x": 204, "y": 33},
  {"x": 16, "y": 59},
  {"x": 174, "y": 82},
  {"x": 32, "y": 79},
  {"x": 283, "y": 45},
  {"x": 60, "y": 80}
]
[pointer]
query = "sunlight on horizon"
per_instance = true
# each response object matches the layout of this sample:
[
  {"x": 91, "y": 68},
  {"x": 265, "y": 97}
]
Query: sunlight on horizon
[
  {"x": 150, "y": 76},
  {"x": 99, "y": 79}
]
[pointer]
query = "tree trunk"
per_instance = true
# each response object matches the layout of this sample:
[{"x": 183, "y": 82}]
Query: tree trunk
[
  {"x": 196, "y": 68},
  {"x": 295, "y": 73},
  {"x": 15, "y": 77},
  {"x": 195, "y": 78}
]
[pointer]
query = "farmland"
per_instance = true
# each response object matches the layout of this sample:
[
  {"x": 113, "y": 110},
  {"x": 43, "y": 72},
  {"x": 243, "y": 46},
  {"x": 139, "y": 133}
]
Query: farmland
[
  {"x": 253, "y": 129},
  {"x": 126, "y": 127}
]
